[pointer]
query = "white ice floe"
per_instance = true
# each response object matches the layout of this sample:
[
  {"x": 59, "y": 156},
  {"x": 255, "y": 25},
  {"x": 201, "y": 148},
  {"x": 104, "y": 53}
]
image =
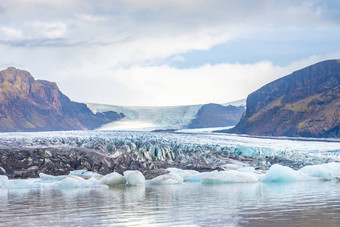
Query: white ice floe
[
  {"x": 323, "y": 171},
  {"x": 197, "y": 177},
  {"x": 3, "y": 181},
  {"x": 134, "y": 177},
  {"x": 85, "y": 174},
  {"x": 278, "y": 173},
  {"x": 46, "y": 177},
  {"x": 21, "y": 183},
  {"x": 230, "y": 176},
  {"x": 112, "y": 179},
  {"x": 246, "y": 169},
  {"x": 170, "y": 178},
  {"x": 183, "y": 173}
]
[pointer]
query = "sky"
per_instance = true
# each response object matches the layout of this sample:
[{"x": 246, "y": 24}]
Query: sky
[{"x": 169, "y": 52}]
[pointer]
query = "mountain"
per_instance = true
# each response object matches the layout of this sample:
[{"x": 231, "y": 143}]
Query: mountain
[
  {"x": 305, "y": 103},
  {"x": 215, "y": 115},
  {"x": 170, "y": 117},
  {"x": 27, "y": 104}
]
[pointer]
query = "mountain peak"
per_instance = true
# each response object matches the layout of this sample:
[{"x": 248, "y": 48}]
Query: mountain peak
[{"x": 27, "y": 104}]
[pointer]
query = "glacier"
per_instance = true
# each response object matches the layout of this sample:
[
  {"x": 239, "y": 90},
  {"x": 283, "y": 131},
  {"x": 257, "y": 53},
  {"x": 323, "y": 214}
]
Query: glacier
[
  {"x": 148, "y": 118},
  {"x": 88, "y": 159}
]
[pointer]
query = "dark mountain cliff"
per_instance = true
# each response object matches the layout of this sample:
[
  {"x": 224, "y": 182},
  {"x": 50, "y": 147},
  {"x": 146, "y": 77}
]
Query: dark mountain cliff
[
  {"x": 27, "y": 104},
  {"x": 305, "y": 103},
  {"x": 215, "y": 115}
]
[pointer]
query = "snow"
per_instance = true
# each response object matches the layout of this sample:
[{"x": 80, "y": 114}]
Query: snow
[
  {"x": 113, "y": 179},
  {"x": 170, "y": 178},
  {"x": 134, "y": 177},
  {"x": 230, "y": 176}
]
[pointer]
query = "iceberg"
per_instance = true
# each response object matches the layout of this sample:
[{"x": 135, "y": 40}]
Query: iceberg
[
  {"x": 3, "y": 181},
  {"x": 72, "y": 182},
  {"x": 324, "y": 171},
  {"x": 85, "y": 174},
  {"x": 230, "y": 176},
  {"x": 21, "y": 183},
  {"x": 134, "y": 177},
  {"x": 197, "y": 177},
  {"x": 46, "y": 177},
  {"x": 246, "y": 169},
  {"x": 183, "y": 173},
  {"x": 112, "y": 179},
  {"x": 170, "y": 178},
  {"x": 278, "y": 173}
]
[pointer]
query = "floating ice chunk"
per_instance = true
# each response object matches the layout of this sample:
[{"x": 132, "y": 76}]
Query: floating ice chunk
[
  {"x": 278, "y": 173},
  {"x": 134, "y": 177},
  {"x": 85, "y": 174},
  {"x": 21, "y": 183},
  {"x": 112, "y": 179},
  {"x": 183, "y": 173},
  {"x": 46, "y": 177},
  {"x": 3, "y": 181},
  {"x": 246, "y": 169},
  {"x": 72, "y": 182},
  {"x": 197, "y": 177},
  {"x": 170, "y": 178},
  {"x": 230, "y": 176},
  {"x": 325, "y": 171}
]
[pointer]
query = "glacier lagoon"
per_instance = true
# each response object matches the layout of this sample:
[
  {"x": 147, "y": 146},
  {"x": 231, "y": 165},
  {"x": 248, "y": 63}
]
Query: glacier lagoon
[
  {"x": 234, "y": 196},
  {"x": 187, "y": 204}
]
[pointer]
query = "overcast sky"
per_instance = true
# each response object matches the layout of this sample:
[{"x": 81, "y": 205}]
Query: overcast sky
[{"x": 165, "y": 52}]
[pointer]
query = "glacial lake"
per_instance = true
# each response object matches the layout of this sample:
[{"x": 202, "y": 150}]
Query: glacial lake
[{"x": 187, "y": 204}]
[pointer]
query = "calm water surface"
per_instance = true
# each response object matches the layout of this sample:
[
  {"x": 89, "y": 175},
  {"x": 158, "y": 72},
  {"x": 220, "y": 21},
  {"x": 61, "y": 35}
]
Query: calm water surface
[{"x": 188, "y": 204}]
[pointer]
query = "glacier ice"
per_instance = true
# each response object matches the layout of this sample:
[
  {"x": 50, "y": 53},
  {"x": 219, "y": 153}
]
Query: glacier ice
[
  {"x": 72, "y": 182},
  {"x": 229, "y": 176},
  {"x": 324, "y": 171},
  {"x": 46, "y": 177},
  {"x": 278, "y": 173},
  {"x": 183, "y": 173},
  {"x": 134, "y": 177},
  {"x": 3, "y": 181},
  {"x": 21, "y": 183},
  {"x": 197, "y": 177},
  {"x": 112, "y": 179},
  {"x": 170, "y": 178},
  {"x": 246, "y": 169},
  {"x": 85, "y": 174}
]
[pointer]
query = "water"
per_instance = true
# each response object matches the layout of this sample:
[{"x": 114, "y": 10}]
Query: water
[{"x": 187, "y": 204}]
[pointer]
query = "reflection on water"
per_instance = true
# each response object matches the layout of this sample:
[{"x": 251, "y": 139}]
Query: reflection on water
[{"x": 188, "y": 204}]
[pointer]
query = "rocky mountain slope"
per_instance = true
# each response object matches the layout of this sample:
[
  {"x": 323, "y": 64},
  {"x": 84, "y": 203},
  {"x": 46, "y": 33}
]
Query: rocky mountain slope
[
  {"x": 305, "y": 103},
  {"x": 27, "y": 104},
  {"x": 215, "y": 115}
]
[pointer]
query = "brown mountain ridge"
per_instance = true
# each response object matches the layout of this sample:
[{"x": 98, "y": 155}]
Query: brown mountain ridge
[
  {"x": 305, "y": 103},
  {"x": 27, "y": 104}
]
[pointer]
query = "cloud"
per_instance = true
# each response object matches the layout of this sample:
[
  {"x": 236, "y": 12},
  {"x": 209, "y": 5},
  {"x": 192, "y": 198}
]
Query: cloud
[
  {"x": 8, "y": 33},
  {"x": 126, "y": 51},
  {"x": 51, "y": 30}
]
